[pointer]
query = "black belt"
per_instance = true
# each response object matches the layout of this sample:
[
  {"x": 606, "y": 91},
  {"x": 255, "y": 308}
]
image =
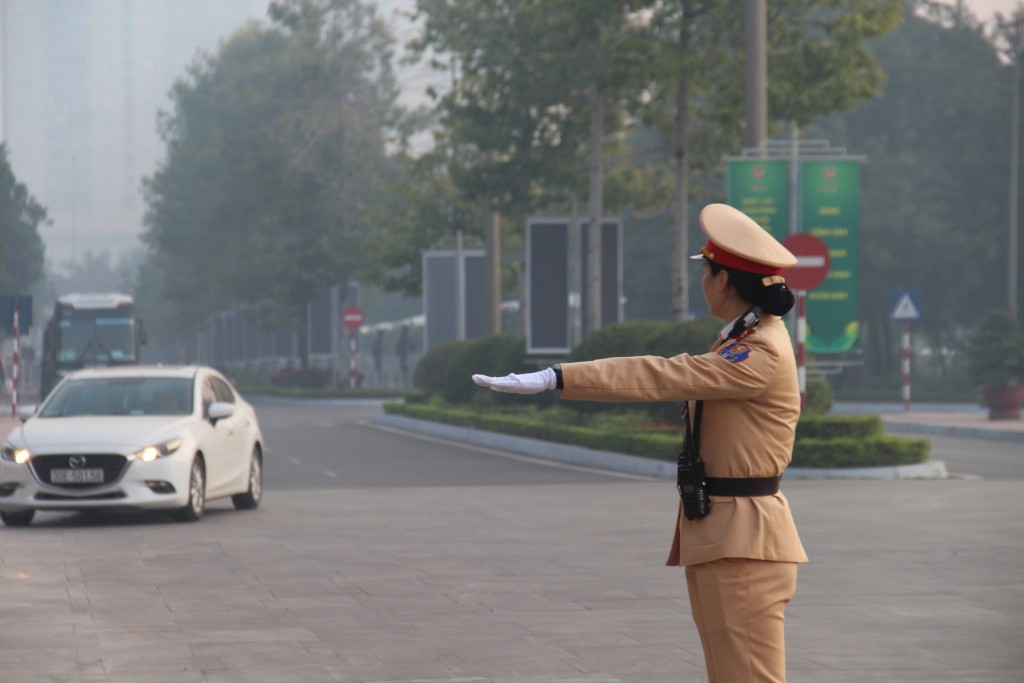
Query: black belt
[{"x": 752, "y": 486}]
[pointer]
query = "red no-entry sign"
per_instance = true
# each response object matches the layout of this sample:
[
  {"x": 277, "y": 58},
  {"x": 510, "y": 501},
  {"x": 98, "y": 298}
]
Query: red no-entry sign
[
  {"x": 812, "y": 261},
  {"x": 352, "y": 317}
]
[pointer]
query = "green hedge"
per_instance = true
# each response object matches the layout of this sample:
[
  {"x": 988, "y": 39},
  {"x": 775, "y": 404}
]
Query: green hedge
[
  {"x": 838, "y": 427},
  {"x": 432, "y": 368},
  {"x": 650, "y": 444},
  {"x": 874, "y": 451},
  {"x": 495, "y": 355},
  {"x": 860, "y": 446}
]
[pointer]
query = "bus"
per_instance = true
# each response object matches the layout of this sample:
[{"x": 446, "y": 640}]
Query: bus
[{"x": 89, "y": 330}]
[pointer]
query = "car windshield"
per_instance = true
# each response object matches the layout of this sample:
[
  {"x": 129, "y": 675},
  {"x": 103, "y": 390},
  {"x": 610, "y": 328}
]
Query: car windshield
[
  {"x": 96, "y": 337},
  {"x": 121, "y": 396}
]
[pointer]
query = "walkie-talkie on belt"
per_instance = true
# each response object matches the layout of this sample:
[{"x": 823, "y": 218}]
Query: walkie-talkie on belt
[{"x": 690, "y": 479}]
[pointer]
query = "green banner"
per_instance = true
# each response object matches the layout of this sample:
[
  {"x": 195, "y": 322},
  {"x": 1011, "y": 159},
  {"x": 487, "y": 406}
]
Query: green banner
[
  {"x": 760, "y": 189},
  {"x": 830, "y": 210}
]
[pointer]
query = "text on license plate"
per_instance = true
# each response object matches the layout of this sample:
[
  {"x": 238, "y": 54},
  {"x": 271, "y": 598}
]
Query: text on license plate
[{"x": 86, "y": 476}]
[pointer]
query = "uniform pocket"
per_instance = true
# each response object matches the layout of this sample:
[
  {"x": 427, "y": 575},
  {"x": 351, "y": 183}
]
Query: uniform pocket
[{"x": 710, "y": 529}]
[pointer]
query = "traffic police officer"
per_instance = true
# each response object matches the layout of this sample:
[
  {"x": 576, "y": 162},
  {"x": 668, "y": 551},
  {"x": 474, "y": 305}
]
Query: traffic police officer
[{"x": 741, "y": 559}]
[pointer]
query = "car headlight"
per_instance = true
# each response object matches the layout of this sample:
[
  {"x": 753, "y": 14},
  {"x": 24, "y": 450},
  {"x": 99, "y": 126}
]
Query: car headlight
[
  {"x": 151, "y": 453},
  {"x": 18, "y": 455}
]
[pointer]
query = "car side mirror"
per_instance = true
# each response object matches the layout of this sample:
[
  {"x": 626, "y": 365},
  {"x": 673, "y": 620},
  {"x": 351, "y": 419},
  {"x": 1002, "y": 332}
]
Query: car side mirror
[
  {"x": 219, "y": 410},
  {"x": 25, "y": 412}
]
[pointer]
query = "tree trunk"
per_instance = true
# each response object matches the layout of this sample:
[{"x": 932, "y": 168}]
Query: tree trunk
[
  {"x": 680, "y": 243},
  {"x": 592, "y": 320}
]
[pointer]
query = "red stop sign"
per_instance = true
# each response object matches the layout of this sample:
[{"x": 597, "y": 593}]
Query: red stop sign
[
  {"x": 352, "y": 317},
  {"x": 812, "y": 261}
]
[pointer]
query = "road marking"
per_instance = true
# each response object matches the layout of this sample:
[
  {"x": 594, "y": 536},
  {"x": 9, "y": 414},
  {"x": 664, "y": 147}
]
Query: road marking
[
  {"x": 330, "y": 473},
  {"x": 294, "y": 460},
  {"x": 507, "y": 454}
]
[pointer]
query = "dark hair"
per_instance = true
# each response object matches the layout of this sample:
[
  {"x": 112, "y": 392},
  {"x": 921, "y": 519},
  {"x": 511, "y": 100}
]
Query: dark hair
[{"x": 774, "y": 299}]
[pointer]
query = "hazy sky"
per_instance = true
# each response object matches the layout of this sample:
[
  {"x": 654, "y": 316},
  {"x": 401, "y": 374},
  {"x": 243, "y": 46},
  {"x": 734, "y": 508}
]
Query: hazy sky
[{"x": 986, "y": 8}]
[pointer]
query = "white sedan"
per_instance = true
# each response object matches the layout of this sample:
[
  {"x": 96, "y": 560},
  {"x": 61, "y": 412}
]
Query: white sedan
[{"x": 159, "y": 437}]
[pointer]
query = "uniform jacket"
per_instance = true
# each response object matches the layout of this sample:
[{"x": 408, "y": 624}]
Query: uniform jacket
[{"x": 751, "y": 407}]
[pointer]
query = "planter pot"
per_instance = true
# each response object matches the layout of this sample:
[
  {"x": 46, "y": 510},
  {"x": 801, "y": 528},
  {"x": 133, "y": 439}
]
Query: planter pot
[{"x": 1003, "y": 402}]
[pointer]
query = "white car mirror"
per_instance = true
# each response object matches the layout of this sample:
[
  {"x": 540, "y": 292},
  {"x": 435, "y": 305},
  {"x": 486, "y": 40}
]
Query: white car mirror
[
  {"x": 218, "y": 411},
  {"x": 25, "y": 412}
]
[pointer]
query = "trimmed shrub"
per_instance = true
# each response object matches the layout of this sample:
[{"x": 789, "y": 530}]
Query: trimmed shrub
[
  {"x": 819, "y": 399},
  {"x": 874, "y": 451},
  {"x": 305, "y": 378},
  {"x": 859, "y": 451},
  {"x": 496, "y": 355},
  {"x": 621, "y": 339},
  {"x": 693, "y": 337},
  {"x": 838, "y": 427},
  {"x": 433, "y": 367}
]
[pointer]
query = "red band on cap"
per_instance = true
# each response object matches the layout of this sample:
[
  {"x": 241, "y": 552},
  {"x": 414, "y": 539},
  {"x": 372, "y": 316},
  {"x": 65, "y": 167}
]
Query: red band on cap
[{"x": 713, "y": 252}]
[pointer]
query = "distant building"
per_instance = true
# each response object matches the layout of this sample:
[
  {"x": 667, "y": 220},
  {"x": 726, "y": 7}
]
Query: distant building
[{"x": 81, "y": 82}]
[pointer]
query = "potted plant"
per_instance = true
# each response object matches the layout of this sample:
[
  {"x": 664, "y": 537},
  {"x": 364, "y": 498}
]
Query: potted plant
[{"x": 995, "y": 361}]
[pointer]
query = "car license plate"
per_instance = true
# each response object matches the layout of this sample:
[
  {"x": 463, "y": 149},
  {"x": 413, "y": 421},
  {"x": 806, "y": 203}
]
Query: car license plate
[{"x": 86, "y": 476}]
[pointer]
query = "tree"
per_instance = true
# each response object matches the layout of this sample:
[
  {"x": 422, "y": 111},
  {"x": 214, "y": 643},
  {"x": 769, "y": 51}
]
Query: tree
[
  {"x": 933, "y": 210},
  {"x": 818, "y": 62},
  {"x": 275, "y": 146},
  {"x": 21, "y": 247},
  {"x": 537, "y": 87},
  {"x": 1011, "y": 30}
]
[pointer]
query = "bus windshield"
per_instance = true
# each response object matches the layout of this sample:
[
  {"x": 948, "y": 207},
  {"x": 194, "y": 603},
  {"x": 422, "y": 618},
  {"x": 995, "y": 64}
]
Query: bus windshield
[{"x": 96, "y": 337}]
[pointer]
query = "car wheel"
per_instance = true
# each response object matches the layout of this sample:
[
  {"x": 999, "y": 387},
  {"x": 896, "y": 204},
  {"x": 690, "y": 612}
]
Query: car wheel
[
  {"x": 193, "y": 510},
  {"x": 251, "y": 498},
  {"x": 20, "y": 518}
]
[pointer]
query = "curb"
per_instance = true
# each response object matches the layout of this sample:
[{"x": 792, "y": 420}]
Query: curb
[
  {"x": 633, "y": 464},
  {"x": 929, "y": 429}
]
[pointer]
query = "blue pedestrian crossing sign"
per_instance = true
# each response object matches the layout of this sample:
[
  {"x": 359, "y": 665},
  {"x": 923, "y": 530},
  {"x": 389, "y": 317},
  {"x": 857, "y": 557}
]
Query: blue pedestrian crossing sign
[{"x": 905, "y": 305}]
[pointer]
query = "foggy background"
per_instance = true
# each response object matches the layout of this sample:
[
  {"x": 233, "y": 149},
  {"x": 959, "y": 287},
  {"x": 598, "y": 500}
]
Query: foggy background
[{"x": 81, "y": 82}]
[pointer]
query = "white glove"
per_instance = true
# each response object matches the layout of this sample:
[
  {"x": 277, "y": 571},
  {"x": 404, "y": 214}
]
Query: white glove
[{"x": 530, "y": 383}]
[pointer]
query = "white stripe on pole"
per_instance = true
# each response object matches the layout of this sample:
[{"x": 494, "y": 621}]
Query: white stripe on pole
[
  {"x": 801, "y": 351},
  {"x": 905, "y": 365}
]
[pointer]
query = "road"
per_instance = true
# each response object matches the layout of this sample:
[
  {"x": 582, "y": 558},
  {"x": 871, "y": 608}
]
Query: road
[
  {"x": 335, "y": 445},
  {"x": 379, "y": 556},
  {"x": 1000, "y": 460}
]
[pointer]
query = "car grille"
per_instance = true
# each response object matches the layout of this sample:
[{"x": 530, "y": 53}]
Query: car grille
[
  {"x": 114, "y": 495},
  {"x": 113, "y": 465}
]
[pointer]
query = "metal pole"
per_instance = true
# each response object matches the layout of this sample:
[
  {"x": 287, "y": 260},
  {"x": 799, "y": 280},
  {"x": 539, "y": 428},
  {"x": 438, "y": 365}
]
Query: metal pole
[
  {"x": 905, "y": 365},
  {"x": 494, "y": 270},
  {"x": 460, "y": 289},
  {"x": 575, "y": 289},
  {"x": 15, "y": 360},
  {"x": 757, "y": 73},
  {"x": 801, "y": 349},
  {"x": 1014, "y": 191},
  {"x": 794, "y": 211},
  {"x": 592, "y": 316},
  {"x": 335, "y": 295}
]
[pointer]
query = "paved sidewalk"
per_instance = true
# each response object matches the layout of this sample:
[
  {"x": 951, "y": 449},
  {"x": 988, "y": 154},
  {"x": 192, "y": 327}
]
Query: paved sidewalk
[{"x": 909, "y": 582}]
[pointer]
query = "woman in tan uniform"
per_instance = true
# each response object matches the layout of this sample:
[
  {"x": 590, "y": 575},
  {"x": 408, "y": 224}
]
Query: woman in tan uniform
[{"x": 741, "y": 559}]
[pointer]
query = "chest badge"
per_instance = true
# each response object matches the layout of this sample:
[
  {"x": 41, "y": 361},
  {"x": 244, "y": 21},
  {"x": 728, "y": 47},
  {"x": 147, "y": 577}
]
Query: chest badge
[{"x": 735, "y": 353}]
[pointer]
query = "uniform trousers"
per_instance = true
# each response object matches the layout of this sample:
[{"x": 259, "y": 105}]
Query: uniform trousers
[{"x": 738, "y": 607}]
